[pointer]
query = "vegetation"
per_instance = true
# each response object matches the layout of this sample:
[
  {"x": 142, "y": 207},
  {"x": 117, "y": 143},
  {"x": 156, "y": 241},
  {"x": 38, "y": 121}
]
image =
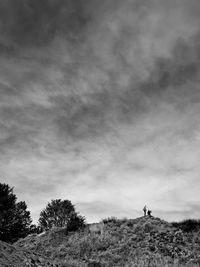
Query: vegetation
[
  {"x": 141, "y": 242},
  {"x": 15, "y": 220},
  {"x": 111, "y": 219},
  {"x": 188, "y": 225},
  {"x": 60, "y": 213}
]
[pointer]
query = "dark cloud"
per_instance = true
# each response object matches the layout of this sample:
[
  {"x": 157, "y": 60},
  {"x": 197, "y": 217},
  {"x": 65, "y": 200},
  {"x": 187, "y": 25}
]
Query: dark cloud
[
  {"x": 171, "y": 79},
  {"x": 108, "y": 88},
  {"x": 37, "y": 22},
  {"x": 77, "y": 118},
  {"x": 124, "y": 94},
  {"x": 182, "y": 67},
  {"x": 97, "y": 114}
]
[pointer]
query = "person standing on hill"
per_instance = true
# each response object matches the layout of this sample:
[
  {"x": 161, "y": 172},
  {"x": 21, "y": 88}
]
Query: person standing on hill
[
  {"x": 149, "y": 212},
  {"x": 145, "y": 210}
]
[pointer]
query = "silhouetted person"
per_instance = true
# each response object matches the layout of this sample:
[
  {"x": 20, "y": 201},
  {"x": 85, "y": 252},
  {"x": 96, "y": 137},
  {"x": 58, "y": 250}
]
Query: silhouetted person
[
  {"x": 145, "y": 210},
  {"x": 149, "y": 213}
]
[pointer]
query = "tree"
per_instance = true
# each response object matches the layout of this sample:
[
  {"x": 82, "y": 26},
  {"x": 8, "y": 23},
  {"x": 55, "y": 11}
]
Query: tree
[
  {"x": 15, "y": 220},
  {"x": 60, "y": 213}
]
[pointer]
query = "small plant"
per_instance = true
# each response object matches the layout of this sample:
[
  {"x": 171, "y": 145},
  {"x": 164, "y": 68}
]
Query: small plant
[{"x": 111, "y": 219}]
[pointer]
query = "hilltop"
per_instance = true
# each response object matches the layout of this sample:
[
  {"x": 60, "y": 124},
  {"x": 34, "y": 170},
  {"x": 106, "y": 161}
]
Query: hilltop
[{"x": 145, "y": 241}]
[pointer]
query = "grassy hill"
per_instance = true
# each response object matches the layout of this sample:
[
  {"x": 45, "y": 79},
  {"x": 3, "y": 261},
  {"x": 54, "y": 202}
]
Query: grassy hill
[{"x": 138, "y": 242}]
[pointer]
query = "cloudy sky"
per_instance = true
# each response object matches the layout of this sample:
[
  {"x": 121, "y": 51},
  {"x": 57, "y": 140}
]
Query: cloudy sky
[{"x": 100, "y": 104}]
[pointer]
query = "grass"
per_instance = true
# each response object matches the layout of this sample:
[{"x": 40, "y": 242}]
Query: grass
[
  {"x": 189, "y": 225},
  {"x": 143, "y": 242}
]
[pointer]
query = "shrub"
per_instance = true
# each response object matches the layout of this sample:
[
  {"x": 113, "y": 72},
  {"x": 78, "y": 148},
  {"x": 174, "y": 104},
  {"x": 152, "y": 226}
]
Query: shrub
[
  {"x": 188, "y": 225},
  {"x": 111, "y": 219},
  {"x": 60, "y": 213}
]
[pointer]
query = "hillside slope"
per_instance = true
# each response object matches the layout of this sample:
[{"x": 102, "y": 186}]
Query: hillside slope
[
  {"x": 12, "y": 256},
  {"x": 143, "y": 241}
]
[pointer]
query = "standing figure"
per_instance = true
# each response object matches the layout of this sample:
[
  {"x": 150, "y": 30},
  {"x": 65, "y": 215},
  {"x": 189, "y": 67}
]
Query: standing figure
[
  {"x": 149, "y": 213},
  {"x": 145, "y": 210}
]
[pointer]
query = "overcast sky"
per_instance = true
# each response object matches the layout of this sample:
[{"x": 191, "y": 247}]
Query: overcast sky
[{"x": 100, "y": 104}]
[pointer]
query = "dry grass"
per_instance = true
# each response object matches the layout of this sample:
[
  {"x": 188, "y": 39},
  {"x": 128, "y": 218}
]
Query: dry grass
[{"x": 143, "y": 242}]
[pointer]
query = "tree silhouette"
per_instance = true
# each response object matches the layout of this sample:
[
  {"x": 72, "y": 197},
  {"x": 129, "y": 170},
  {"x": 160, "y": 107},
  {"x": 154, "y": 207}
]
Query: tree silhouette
[
  {"x": 14, "y": 217},
  {"x": 60, "y": 213}
]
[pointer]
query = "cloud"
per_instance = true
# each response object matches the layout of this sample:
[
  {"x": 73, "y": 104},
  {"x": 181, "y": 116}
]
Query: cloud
[
  {"x": 36, "y": 23},
  {"x": 100, "y": 100}
]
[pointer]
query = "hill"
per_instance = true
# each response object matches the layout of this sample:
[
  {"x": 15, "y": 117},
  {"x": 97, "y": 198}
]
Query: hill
[
  {"x": 12, "y": 256},
  {"x": 145, "y": 241}
]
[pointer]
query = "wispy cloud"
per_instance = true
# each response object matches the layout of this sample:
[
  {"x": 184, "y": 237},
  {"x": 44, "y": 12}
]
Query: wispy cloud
[{"x": 99, "y": 104}]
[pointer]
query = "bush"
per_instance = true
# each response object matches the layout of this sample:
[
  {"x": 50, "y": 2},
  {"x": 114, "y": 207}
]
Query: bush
[
  {"x": 60, "y": 213},
  {"x": 111, "y": 219},
  {"x": 188, "y": 225},
  {"x": 76, "y": 222}
]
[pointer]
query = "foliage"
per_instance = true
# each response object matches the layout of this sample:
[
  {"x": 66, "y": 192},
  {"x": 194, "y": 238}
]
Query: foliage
[
  {"x": 14, "y": 217},
  {"x": 76, "y": 222},
  {"x": 141, "y": 242},
  {"x": 111, "y": 219},
  {"x": 188, "y": 225},
  {"x": 60, "y": 213},
  {"x": 35, "y": 229}
]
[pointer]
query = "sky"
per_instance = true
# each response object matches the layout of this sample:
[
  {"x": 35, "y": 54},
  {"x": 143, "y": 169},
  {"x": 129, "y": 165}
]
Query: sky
[{"x": 100, "y": 104}]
